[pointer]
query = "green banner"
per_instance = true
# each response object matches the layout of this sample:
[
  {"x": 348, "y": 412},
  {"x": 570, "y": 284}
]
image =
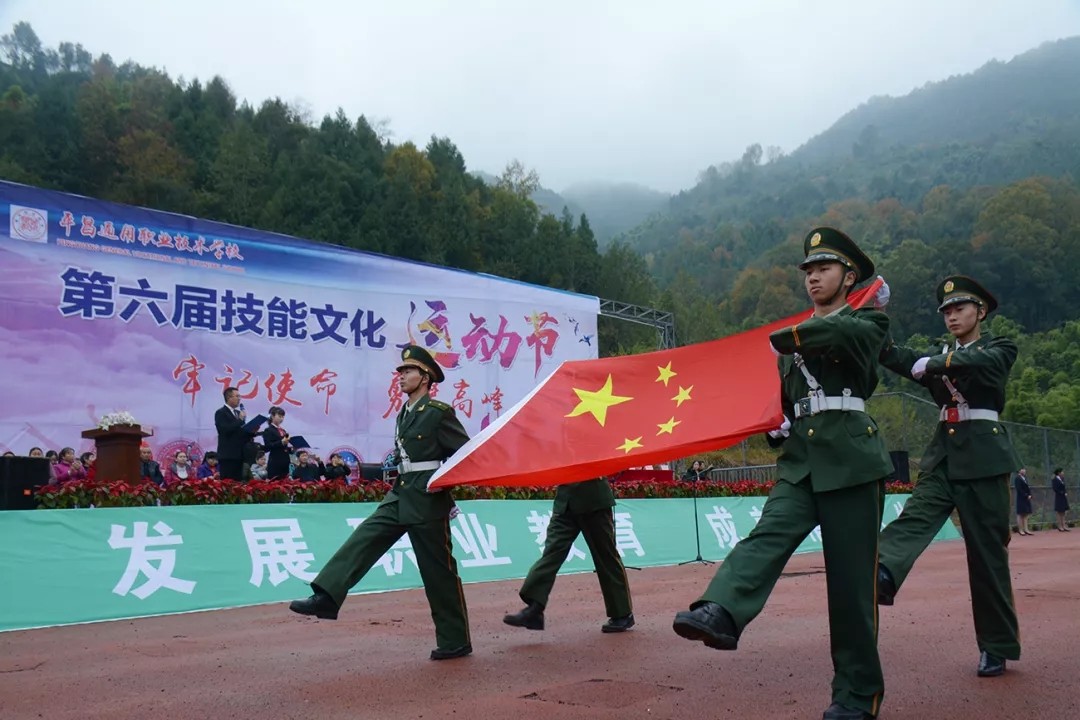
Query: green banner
[{"x": 71, "y": 566}]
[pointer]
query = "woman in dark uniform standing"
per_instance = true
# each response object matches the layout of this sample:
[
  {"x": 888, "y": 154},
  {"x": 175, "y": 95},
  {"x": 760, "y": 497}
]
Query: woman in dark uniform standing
[
  {"x": 276, "y": 442},
  {"x": 1023, "y": 501},
  {"x": 1061, "y": 500}
]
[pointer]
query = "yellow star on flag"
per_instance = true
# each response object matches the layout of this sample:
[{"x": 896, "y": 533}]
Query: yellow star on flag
[
  {"x": 669, "y": 426},
  {"x": 597, "y": 402},
  {"x": 683, "y": 396},
  {"x": 629, "y": 445},
  {"x": 666, "y": 373}
]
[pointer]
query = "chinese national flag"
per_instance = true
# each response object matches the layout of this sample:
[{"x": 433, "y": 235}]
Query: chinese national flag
[{"x": 597, "y": 417}]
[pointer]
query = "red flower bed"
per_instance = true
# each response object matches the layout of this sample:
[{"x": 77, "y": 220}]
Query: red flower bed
[{"x": 93, "y": 493}]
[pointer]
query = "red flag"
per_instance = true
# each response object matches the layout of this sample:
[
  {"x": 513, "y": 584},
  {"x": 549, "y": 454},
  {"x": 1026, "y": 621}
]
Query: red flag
[{"x": 597, "y": 417}]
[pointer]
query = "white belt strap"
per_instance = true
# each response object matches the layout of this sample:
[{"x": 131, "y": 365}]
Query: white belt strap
[
  {"x": 824, "y": 403},
  {"x": 407, "y": 466},
  {"x": 964, "y": 414}
]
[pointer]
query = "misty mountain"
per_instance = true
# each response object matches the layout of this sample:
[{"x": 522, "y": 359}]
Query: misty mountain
[
  {"x": 549, "y": 201},
  {"x": 1026, "y": 96},
  {"x": 614, "y": 208}
]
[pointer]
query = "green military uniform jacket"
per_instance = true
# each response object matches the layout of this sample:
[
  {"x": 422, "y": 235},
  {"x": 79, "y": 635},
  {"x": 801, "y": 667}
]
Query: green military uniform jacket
[
  {"x": 430, "y": 431},
  {"x": 977, "y": 448},
  {"x": 837, "y": 449},
  {"x": 584, "y": 497}
]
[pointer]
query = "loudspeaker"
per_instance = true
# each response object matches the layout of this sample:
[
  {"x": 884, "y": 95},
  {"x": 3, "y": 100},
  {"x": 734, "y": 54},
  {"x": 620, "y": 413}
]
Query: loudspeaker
[
  {"x": 370, "y": 471},
  {"x": 18, "y": 478},
  {"x": 901, "y": 471}
]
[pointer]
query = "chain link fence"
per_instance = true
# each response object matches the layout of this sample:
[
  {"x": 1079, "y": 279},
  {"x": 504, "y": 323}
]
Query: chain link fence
[{"x": 907, "y": 423}]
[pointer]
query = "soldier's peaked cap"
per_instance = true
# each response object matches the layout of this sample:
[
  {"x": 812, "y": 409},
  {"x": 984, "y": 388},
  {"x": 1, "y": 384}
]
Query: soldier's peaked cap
[
  {"x": 825, "y": 244},
  {"x": 960, "y": 288},
  {"x": 416, "y": 356}
]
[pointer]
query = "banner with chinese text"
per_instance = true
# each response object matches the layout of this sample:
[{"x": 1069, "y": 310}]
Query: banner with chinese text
[
  {"x": 107, "y": 307},
  {"x": 104, "y": 564}
]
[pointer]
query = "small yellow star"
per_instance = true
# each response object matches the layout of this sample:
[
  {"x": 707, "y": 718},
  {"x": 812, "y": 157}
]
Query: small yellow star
[
  {"x": 629, "y": 445},
  {"x": 597, "y": 402},
  {"x": 669, "y": 426},
  {"x": 666, "y": 373},
  {"x": 683, "y": 396}
]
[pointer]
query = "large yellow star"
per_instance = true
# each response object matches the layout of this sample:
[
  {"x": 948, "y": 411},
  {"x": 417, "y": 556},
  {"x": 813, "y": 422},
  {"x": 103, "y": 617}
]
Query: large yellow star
[
  {"x": 683, "y": 396},
  {"x": 597, "y": 402},
  {"x": 669, "y": 426},
  {"x": 666, "y": 373},
  {"x": 629, "y": 445}
]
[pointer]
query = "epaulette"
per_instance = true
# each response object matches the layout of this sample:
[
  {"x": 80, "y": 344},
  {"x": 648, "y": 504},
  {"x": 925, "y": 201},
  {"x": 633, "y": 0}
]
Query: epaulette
[{"x": 438, "y": 405}]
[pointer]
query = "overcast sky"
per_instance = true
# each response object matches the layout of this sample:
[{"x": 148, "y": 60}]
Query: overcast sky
[{"x": 630, "y": 91}]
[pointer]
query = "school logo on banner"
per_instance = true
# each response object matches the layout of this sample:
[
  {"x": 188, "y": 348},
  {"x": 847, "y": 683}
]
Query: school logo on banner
[{"x": 30, "y": 224}]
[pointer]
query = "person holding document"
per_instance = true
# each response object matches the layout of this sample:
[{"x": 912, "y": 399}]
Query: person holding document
[
  {"x": 276, "y": 442},
  {"x": 427, "y": 432}
]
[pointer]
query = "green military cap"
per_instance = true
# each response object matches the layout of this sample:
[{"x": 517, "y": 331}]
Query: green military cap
[
  {"x": 825, "y": 244},
  {"x": 416, "y": 356},
  {"x": 960, "y": 288}
]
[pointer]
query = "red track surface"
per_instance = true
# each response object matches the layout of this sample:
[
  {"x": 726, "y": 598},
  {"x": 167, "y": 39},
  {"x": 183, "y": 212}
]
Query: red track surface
[{"x": 267, "y": 663}]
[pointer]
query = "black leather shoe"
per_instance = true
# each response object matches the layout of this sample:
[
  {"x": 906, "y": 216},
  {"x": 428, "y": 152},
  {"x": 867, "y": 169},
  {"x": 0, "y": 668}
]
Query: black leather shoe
[
  {"x": 319, "y": 604},
  {"x": 441, "y": 654},
  {"x": 530, "y": 618},
  {"x": 709, "y": 623},
  {"x": 886, "y": 588},
  {"x": 837, "y": 711},
  {"x": 618, "y": 624},
  {"x": 990, "y": 665}
]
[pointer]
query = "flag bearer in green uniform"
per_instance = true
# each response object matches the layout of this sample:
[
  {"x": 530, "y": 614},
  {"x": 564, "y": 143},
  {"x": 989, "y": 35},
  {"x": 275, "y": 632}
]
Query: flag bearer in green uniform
[
  {"x": 428, "y": 432},
  {"x": 966, "y": 467},
  {"x": 579, "y": 508},
  {"x": 831, "y": 473}
]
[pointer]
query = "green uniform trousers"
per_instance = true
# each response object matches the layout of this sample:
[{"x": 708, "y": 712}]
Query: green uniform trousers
[
  {"x": 850, "y": 520},
  {"x": 599, "y": 530},
  {"x": 432, "y": 544},
  {"x": 983, "y": 506}
]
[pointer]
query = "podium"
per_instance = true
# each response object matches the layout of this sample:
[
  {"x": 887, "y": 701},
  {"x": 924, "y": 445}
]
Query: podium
[{"x": 117, "y": 451}]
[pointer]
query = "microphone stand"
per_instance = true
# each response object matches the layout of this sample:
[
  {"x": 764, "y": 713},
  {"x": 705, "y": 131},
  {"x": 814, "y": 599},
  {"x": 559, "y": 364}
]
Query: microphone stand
[{"x": 697, "y": 527}]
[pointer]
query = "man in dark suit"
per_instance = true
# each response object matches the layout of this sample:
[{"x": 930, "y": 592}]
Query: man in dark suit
[
  {"x": 966, "y": 467},
  {"x": 149, "y": 467},
  {"x": 428, "y": 432},
  {"x": 579, "y": 508},
  {"x": 831, "y": 472},
  {"x": 232, "y": 438}
]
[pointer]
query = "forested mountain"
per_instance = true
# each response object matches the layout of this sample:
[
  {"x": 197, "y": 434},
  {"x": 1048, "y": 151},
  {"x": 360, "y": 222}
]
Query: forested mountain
[
  {"x": 925, "y": 192},
  {"x": 1001, "y": 124}
]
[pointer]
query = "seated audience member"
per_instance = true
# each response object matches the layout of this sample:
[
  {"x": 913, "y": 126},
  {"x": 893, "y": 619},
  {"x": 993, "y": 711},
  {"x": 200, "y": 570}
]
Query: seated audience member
[
  {"x": 309, "y": 467},
  {"x": 179, "y": 469},
  {"x": 88, "y": 460},
  {"x": 209, "y": 468},
  {"x": 36, "y": 452},
  {"x": 258, "y": 470},
  {"x": 8, "y": 453},
  {"x": 337, "y": 469},
  {"x": 149, "y": 467},
  {"x": 68, "y": 467}
]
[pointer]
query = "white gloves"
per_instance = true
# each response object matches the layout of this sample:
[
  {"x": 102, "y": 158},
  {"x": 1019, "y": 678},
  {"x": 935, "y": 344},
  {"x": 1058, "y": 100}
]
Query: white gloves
[
  {"x": 783, "y": 431},
  {"x": 919, "y": 368},
  {"x": 881, "y": 297}
]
